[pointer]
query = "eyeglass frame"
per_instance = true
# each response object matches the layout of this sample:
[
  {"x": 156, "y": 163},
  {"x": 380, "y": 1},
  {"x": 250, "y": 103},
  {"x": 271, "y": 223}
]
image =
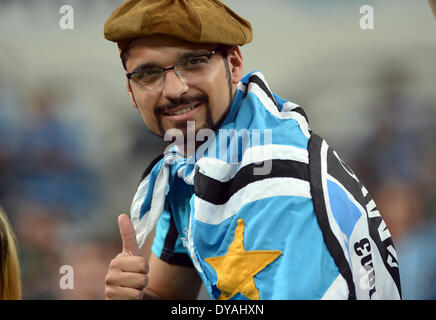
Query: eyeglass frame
[{"x": 219, "y": 49}]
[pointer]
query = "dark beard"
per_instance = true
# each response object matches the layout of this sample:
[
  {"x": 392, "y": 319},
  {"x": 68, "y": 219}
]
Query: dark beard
[
  {"x": 208, "y": 124},
  {"x": 174, "y": 103}
]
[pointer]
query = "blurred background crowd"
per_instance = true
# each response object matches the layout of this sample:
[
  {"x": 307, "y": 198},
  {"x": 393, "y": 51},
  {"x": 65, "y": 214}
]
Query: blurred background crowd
[{"x": 72, "y": 149}]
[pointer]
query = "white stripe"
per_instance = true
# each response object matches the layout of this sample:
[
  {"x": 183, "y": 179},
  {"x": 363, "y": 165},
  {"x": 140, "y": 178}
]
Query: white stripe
[
  {"x": 265, "y": 100},
  {"x": 338, "y": 290},
  {"x": 364, "y": 191},
  {"x": 223, "y": 171},
  {"x": 143, "y": 226},
  {"x": 135, "y": 209},
  {"x": 370, "y": 206},
  {"x": 242, "y": 87},
  {"x": 272, "y": 108},
  {"x": 216, "y": 214},
  {"x": 261, "y": 77},
  {"x": 289, "y": 106},
  {"x": 302, "y": 122}
]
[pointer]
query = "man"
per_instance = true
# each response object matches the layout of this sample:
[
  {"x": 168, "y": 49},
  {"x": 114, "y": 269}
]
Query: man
[{"x": 246, "y": 200}]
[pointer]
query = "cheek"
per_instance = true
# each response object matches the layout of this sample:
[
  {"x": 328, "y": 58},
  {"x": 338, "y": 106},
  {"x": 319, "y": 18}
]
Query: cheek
[
  {"x": 147, "y": 114},
  {"x": 220, "y": 101},
  {"x": 219, "y": 95}
]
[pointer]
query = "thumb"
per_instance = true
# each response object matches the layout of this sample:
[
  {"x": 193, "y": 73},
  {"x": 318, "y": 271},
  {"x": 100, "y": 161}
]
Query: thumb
[{"x": 128, "y": 235}]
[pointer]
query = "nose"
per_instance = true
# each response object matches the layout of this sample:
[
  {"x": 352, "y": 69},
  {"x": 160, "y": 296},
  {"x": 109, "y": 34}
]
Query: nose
[{"x": 174, "y": 85}]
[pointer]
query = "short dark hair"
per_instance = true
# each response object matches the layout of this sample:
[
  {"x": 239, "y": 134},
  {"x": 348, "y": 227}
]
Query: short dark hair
[{"x": 124, "y": 56}]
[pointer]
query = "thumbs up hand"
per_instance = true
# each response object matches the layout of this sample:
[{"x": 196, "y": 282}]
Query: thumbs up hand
[
  {"x": 128, "y": 235},
  {"x": 127, "y": 275}
]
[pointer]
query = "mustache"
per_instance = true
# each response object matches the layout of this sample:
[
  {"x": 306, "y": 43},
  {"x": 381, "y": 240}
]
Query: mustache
[{"x": 183, "y": 100}]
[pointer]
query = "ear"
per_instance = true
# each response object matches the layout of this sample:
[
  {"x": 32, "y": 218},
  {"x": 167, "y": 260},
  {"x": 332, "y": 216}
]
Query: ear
[
  {"x": 235, "y": 64},
  {"x": 129, "y": 92}
]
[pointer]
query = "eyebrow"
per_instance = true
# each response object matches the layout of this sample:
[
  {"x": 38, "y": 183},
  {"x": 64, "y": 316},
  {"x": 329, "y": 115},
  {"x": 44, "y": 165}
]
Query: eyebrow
[
  {"x": 192, "y": 54},
  {"x": 182, "y": 57},
  {"x": 145, "y": 66}
]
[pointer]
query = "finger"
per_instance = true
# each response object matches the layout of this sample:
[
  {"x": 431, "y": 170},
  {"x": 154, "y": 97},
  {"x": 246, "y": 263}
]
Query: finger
[
  {"x": 123, "y": 293},
  {"x": 128, "y": 235},
  {"x": 129, "y": 264},
  {"x": 128, "y": 279}
]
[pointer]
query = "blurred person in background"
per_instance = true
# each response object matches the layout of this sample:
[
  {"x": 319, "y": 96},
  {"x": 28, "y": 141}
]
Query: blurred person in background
[
  {"x": 398, "y": 163},
  {"x": 10, "y": 131},
  {"x": 186, "y": 65},
  {"x": 10, "y": 279},
  {"x": 44, "y": 182},
  {"x": 403, "y": 205},
  {"x": 51, "y": 172},
  {"x": 38, "y": 231}
]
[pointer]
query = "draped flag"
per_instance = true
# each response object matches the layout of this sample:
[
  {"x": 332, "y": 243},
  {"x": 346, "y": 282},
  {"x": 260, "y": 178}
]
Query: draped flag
[{"x": 265, "y": 209}]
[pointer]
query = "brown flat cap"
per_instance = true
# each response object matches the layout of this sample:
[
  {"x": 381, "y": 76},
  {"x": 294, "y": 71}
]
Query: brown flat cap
[
  {"x": 197, "y": 21},
  {"x": 433, "y": 6}
]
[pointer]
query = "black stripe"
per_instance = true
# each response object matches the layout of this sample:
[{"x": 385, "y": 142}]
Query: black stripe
[
  {"x": 254, "y": 78},
  {"x": 170, "y": 238},
  {"x": 342, "y": 172},
  {"x": 150, "y": 166},
  {"x": 218, "y": 192},
  {"x": 301, "y": 111},
  {"x": 316, "y": 190},
  {"x": 180, "y": 259},
  {"x": 168, "y": 254},
  {"x": 367, "y": 198}
]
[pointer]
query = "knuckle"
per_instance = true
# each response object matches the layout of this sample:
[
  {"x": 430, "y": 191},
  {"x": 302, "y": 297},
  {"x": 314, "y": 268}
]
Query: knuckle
[
  {"x": 140, "y": 264},
  {"x": 144, "y": 281},
  {"x": 143, "y": 265},
  {"x": 108, "y": 292},
  {"x": 113, "y": 263},
  {"x": 109, "y": 279},
  {"x": 138, "y": 295}
]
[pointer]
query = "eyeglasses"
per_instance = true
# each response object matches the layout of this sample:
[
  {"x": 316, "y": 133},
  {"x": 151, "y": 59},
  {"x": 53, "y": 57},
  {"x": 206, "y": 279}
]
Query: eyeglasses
[{"x": 192, "y": 71}]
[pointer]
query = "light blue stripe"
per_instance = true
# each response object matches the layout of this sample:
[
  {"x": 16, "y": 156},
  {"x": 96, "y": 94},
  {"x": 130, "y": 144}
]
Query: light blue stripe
[{"x": 344, "y": 211}]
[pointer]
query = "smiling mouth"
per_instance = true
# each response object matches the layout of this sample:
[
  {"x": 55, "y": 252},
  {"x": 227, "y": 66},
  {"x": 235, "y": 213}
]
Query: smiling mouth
[{"x": 181, "y": 110}]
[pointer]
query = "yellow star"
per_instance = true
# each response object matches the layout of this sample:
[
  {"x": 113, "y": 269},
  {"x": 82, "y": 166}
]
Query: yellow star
[{"x": 236, "y": 269}]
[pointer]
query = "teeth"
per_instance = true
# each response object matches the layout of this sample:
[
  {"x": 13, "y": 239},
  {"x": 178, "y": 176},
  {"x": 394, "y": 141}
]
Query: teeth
[{"x": 181, "y": 111}]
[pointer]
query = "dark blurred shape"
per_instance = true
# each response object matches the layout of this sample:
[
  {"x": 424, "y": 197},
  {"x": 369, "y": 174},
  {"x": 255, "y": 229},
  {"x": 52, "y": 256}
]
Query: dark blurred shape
[
  {"x": 397, "y": 166},
  {"x": 393, "y": 150},
  {"x": 37, "y": 232},
  {"x": 49, "y": 170}
]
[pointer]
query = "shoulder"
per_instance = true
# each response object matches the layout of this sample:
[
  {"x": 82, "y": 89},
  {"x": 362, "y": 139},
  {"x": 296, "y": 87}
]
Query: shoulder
[
  {"x": 151, "y": 165},
  {"x": 285, "y": 120}
]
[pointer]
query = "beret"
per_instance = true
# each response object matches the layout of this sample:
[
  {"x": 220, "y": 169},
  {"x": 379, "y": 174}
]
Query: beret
[
  {"x": 433, "y": 6},
  {"x": 197, "y": 21}
]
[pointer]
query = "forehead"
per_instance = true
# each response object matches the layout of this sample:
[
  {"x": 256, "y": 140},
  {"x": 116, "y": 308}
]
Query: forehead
[{"x": 160, "y": 49}]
